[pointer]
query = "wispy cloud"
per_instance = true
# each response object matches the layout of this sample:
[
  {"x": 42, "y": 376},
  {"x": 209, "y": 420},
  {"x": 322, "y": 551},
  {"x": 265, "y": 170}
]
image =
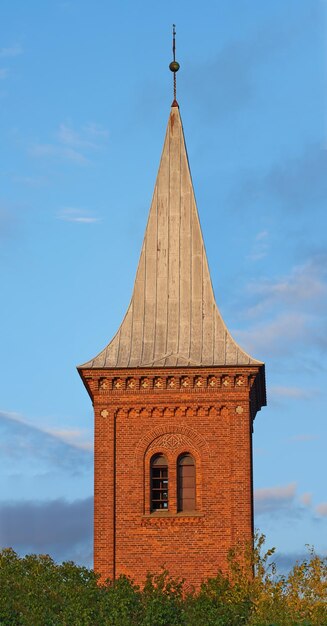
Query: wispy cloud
[
  {"x": 289, "y": 311},
  {"x": 71, "y": 436},
  {"x": 321, "y": 509},
  {"x": 76, "y": 437},
  {"x": 303, "y": 438},
  {"x": 79, "y": 216},
  {"x": 96, "y": 131},
  {"x": 7, "y": 53},
  {"x": 285, "y": 562},
  {"x": 72, "y": 145},
  {"x": 279, "y": 391},
  {"x": 260, "y": 246},
  {"x": 59, "y": 528},
  {"x": 270, "y": 499},
  {"x": 29, "y": 181},
  {"x": 283, "y": 501},
  {"x": 306, "y": 499},
  {"x": 304, "y": 285},
  {"x": 58, "y": 151},
  {"x": 274, "y": 337},
  {"x": 12, "y": 51},
  {"x": 69, "y": 136},
  {"x": 88, "y": 137},
  {"x": 66, "y": 448}
]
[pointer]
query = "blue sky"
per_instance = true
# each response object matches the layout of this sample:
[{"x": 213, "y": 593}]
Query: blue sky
[{"x": 85, "y": 93}]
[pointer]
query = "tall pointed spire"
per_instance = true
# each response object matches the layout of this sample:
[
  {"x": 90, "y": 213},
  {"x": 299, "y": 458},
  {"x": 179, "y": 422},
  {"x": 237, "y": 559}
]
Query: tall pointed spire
[{"x": 172, "y": 319}]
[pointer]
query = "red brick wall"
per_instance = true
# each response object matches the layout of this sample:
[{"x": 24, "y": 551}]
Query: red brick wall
[{"x": 203, "y": 411}]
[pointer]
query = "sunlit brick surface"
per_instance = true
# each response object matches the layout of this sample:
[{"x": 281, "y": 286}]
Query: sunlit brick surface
[{"x": 138, "y": 413}]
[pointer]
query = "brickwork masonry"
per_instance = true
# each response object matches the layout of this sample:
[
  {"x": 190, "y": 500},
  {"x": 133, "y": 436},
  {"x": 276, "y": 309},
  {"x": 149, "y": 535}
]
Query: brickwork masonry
[{"x": 207, "y": 412}]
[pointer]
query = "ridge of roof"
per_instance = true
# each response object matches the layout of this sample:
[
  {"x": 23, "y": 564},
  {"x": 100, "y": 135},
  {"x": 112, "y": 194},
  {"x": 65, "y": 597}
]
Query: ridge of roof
[{"x": 172, "y": 318}]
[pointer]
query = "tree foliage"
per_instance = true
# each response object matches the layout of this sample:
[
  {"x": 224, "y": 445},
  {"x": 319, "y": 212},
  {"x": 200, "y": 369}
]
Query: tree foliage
[{"x": 36, "y": 591}]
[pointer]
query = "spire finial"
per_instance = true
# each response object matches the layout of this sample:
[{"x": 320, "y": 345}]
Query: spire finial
[{"x": 174, "y": 67}]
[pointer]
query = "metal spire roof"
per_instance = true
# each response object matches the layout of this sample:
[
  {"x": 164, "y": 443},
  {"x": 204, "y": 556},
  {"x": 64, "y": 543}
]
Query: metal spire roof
[{"x": 172, "y": 319}]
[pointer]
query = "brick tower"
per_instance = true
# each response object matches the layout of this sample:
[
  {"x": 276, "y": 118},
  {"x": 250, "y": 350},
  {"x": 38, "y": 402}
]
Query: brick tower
[{"x": 174, "y": 400}]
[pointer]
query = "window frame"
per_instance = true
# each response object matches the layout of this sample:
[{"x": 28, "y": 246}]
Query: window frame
[{"x": 162, "y": 483}]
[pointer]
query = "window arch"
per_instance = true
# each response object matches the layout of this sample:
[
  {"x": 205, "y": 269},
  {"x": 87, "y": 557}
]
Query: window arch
[
  {"x": 186, "y": 483},
  {"x": 159, "y": 483}
]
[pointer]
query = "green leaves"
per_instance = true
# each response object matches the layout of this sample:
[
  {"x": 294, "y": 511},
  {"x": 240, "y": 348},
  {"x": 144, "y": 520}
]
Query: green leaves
[
  {"x": 35, "y": 591},
  {"x": 162, "y": 601}
]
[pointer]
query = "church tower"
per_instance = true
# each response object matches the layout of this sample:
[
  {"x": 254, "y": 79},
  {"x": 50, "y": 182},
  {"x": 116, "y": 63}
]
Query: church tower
[{"x": 174, "y": 401}]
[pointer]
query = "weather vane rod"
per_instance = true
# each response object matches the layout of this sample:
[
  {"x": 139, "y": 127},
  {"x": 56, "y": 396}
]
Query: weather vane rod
[{"x": 174, "y": 66}]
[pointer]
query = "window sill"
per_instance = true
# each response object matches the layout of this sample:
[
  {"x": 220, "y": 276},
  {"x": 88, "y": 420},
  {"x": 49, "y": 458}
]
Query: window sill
[{"x": 168, "y": 514}]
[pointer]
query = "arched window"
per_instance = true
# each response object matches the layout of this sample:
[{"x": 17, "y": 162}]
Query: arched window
[
  {"x": 186, "y": 483},
  {"x": 159, "y": 483}
]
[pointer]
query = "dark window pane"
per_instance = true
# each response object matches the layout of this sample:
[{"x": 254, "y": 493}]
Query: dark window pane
[{"x": 186, "y": 483}]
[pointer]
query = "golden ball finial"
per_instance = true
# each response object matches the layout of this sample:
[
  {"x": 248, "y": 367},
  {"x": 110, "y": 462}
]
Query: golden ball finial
[{"x": 174, "y": 66}]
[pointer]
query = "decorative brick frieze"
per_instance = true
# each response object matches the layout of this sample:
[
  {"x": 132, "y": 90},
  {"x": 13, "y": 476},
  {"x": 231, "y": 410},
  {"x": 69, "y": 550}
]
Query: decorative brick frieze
[
  {"x": 218, "y": 385},
  {"x": 178, "y": 412},
  {"x": 170, "y": 441},
  {"x": 197, "y": 381},
  {"x": 163, "y": 433},
  {"x": 171, "y": 520}
]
